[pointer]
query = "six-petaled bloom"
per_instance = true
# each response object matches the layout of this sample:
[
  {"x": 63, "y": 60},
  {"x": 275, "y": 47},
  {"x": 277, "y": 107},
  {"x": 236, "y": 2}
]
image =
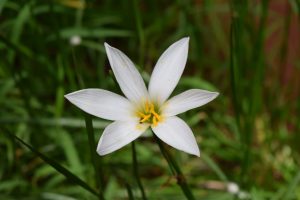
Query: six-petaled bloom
[{"x": 144, "y": 108}]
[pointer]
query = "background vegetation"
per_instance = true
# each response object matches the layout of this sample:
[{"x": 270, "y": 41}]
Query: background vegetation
[{"x": 247, "y": 50}]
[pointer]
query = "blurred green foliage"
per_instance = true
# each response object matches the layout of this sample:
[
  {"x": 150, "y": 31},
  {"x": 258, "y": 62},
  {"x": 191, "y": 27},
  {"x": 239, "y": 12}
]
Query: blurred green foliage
[{"x": 247, "y": 50}]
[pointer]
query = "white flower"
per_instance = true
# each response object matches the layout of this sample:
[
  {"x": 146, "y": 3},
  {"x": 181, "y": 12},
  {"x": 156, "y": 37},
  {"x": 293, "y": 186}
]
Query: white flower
[{"x": 144, "y": 108}]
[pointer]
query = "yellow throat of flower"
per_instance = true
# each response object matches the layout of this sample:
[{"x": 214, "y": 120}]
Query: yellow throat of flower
[{"x": 149, "y": 114}]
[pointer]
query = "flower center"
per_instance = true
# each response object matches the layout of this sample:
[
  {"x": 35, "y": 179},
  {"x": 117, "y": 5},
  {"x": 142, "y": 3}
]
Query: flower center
[{"x": 149, "y": 114}]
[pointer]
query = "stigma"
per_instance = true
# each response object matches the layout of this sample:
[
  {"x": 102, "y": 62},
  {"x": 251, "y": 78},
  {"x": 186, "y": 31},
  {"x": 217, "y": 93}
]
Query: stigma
[{"x": 149, "y": 113}]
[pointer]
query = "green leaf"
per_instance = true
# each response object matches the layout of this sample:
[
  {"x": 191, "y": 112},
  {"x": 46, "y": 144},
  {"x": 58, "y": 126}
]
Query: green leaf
[
  {"x": 67, "y": 144},
  {"x": 2, "y": 3},
  {"x": 290, "y": 192},
  {"x": 69, "y": 175},
  {"x": 66, "y": 122},
  {"x": 53, "y": 196},
  {"x": 214, "y": 167},
  {"x": 196, "y": 82},
  {"x": 96, "y": 162}
]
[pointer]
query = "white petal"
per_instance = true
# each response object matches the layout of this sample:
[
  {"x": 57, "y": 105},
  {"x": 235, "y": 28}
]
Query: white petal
[
  {"x": 168, "y": 70},
  {"x": 175, "y": 132},
  {"x": 187, "y": 100},
  {"x": 118, "y": 134},
  {"x": 128, "y": 77},
  {"x": 102, "y": 103}
]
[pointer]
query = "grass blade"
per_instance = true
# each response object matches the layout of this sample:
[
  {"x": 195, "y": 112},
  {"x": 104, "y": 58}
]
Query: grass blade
[
  {"x": 2, "y": 3},
  {"x": 129, "y": 192},
  {"x": 136, "y": 171},
  {"x": 69, "y": 175},
  {"x": 96, "y": 164}
]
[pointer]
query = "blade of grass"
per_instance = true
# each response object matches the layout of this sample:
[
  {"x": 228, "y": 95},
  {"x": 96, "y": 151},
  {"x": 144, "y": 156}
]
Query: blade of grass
[
  {"x": 19, "y": 23},
  {"x": 255, "y": 99},
  {"x": 139, "y": 27},
  {"x": 2, "y": 3},
  {"x": 234, "y": 75},
  {"x": 214, "y": 167},
  {"x": 136, "y": 171},
  {"x": 69, "y": 175},
  {"x": 18, "y": 48},
  {"x": 96, "y": 162},
  {"x": 67, "y": 122},
  {"x": 79, "y": 15},
  {"x": 239, "y": 66},
  {"x": 290, "y": 192},
  {"x": 21, "y": 19},
  {"x": 66, "y": 141},
  {"x": 129, "y": 192},
  {"x": 59, "y": 102}
]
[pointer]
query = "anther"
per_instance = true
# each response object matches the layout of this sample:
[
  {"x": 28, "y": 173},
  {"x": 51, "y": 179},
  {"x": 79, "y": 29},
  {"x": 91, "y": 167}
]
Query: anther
[
  {"x": 149, "y": 115},
  {"x": 154, "y": 122},
  {"x": 145, "y": 118},
  {"x": 156, "y": 115},
  {"x": 141, "y": 114}
]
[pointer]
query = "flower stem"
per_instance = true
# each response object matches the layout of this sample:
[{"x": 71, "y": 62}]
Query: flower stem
[
  {"x": 136, "y": 171},
  {"x": 96, "y": 162},
  {"x": 176, "y": 171}
]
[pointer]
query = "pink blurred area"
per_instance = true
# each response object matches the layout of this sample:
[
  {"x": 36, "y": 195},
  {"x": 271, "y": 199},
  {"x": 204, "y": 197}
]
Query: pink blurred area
[{"x": 282, "y": 46}]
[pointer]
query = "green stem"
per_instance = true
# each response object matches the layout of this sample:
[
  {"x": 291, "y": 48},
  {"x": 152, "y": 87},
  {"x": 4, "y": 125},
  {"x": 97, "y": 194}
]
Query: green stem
[
  {"x": 181, "y": 181},
  {"x": 136, "y": 171},
  {"x": 97, "y": 165}
]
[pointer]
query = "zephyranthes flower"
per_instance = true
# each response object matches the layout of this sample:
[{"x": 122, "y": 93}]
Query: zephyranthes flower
[{"x": 144, "y": 108}]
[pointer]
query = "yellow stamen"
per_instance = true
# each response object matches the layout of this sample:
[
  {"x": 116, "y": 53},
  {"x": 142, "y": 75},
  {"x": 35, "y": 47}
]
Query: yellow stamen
[
  {"x": 146, "y": 107},
  {"x": 141, "y": 114},
  {"x": 156, "y": 115},
  {"x": 154, "y": 121},
  {"x": 151, "y": 108},
  {"x": 145, "y": 118},
  {"x": 149, "y": 115}
]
